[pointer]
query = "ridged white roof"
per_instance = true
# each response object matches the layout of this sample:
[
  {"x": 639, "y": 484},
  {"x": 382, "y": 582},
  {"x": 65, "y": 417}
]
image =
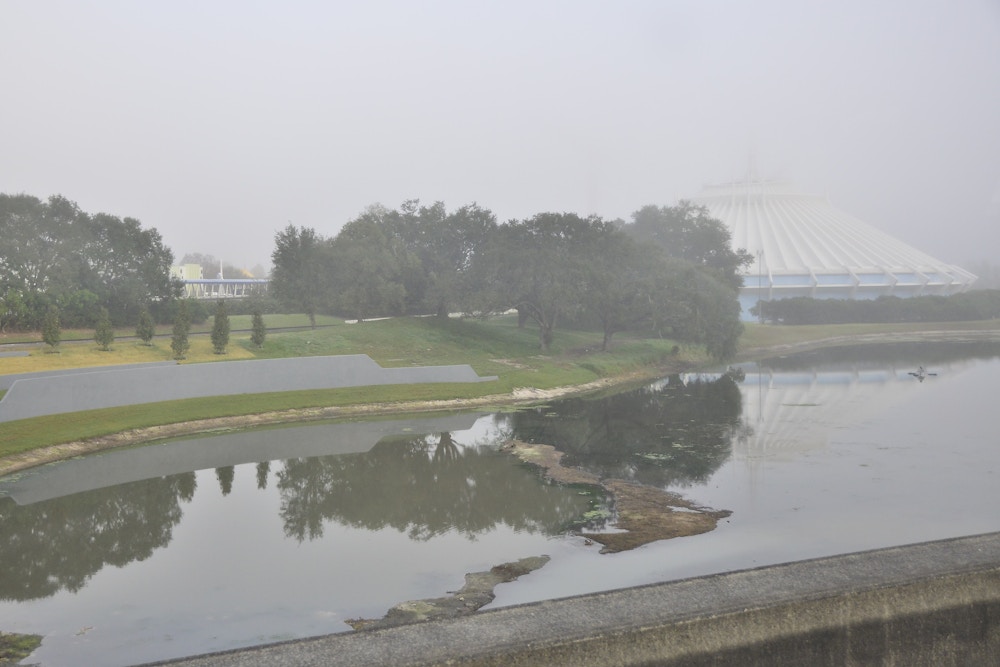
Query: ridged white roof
[{"x": 800, "y": 234}]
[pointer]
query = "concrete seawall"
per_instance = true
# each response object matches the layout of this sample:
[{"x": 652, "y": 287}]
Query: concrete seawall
[
  {"x": 92, "y": 389},
  {"x": 935, "y": 603}
]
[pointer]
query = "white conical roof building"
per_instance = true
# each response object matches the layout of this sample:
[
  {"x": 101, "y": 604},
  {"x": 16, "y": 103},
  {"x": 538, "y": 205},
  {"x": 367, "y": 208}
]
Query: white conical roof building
[{"x": 803, "y": 246}]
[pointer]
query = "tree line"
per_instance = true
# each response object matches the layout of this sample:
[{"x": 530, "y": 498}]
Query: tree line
[
  {"x": 670, "y": 270},
  {"x": 56, "y": 258},
  {"x": 964, "y": 307}
]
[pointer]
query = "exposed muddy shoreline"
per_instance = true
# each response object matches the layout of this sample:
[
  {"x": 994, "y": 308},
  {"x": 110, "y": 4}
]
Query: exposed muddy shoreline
[{"x": 644, "y": 513}]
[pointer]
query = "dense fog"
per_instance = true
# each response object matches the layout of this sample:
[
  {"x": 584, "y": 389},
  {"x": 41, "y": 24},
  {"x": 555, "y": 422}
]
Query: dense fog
[{"x": 220, "y": 123}]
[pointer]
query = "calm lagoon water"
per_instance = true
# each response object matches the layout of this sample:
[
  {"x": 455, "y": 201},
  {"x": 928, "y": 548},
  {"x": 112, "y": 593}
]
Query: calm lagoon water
[{"x": 240, "y": 539}]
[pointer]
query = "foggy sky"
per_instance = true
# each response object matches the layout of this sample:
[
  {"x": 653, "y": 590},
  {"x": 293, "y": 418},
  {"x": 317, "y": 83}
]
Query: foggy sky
[{"x": 220, "y": 122}]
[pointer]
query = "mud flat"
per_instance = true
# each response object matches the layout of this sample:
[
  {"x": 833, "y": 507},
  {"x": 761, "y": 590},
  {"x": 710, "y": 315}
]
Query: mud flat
[
  {"x": 476, "y": 593},
  {"x": 644, "y": 513}
]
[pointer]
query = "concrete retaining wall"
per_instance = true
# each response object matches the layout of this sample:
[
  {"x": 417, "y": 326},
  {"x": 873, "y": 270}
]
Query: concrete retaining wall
[
  {"x": 936, "y": 603},
  {"x": 113, "y": 387}
]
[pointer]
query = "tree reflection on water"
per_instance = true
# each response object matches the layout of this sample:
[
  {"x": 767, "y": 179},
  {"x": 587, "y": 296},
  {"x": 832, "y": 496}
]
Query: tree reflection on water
[
  {"x": 61, "y": 543},
  {"x": 422, "y": 486},
  {"x": 674, "y": 433}
]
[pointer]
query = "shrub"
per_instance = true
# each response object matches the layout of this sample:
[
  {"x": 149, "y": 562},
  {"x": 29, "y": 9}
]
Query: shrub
[{"x": 104, "y": 334}]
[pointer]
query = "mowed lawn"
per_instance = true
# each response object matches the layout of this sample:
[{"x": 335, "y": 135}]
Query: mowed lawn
[
  {"x": 496, "y": 346},
  {"x": 492, "y": 347}
]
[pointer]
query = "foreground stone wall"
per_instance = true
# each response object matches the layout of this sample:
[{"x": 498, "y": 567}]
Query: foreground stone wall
[
  {"x": 936, "y": 603},
  {"x": 107, "y": 387}
]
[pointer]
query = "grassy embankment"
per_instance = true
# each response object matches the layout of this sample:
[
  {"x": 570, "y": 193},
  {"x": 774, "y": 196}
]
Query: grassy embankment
[
  {"x": 494, "y": 347},
  {"x": 769, "y": 337}
]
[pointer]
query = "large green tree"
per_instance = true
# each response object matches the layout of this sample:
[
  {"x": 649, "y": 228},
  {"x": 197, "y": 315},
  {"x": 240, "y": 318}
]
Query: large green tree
[
  {"x": 127, "y": 266},
  {"x": 40, "y": 242},
  {"x": 540, "y": 267},
  {"x": 13, "y": 310},
  {"x": 697, "y": 307},
  {"x": 52, "y": 252},
  {"x": 298, "y": 278},
  {"x": 621, "y": 284},
  {"x": 445, "y": 245},
  {"x": 689, "y": 232},
  {"x": 370, "y": 267}
]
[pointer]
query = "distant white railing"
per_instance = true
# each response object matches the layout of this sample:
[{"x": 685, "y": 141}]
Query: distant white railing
[{"x": 225, "y": 288}]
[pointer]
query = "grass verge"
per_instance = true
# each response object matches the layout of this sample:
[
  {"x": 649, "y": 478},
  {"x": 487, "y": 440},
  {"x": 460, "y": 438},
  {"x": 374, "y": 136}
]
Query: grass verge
[
  {"x": 770, "y": 337},
  {"x": 495, "y": 347}
]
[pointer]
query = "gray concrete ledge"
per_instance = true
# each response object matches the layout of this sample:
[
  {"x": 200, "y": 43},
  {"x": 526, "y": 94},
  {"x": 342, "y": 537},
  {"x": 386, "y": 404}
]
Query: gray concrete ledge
[
  {"x": 115, "y": 386},
  {"x": 936, "y": 603},
  {"x": 7, "y": 381},
  {"x": 122, "y": 466}
]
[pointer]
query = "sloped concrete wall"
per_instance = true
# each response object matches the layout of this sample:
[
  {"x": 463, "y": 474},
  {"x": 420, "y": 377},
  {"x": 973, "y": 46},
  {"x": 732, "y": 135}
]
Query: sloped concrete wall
[
  {"x": 931, "y": 604},
  {"x": 114, "y": 387},
  {"x": 7, "y": 381}
]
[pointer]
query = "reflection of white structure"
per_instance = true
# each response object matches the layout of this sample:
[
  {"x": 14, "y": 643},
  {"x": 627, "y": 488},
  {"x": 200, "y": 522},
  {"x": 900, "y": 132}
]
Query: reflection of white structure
[
  {"x": 803, "y": 246},
  {"x": 790, "y": 413}
]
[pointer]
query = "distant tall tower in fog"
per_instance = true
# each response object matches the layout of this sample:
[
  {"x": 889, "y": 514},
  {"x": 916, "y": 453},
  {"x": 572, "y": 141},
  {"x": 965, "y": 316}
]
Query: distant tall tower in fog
[{"x": 803, "y": 246}]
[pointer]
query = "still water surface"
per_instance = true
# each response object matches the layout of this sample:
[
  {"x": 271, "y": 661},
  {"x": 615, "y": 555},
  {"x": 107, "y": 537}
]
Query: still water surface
[{"x": 240, "y": 539}]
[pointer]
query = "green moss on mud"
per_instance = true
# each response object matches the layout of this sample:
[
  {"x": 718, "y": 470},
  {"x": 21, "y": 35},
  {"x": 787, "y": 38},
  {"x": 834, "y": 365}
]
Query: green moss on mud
[{"x": 15, "y": 648}]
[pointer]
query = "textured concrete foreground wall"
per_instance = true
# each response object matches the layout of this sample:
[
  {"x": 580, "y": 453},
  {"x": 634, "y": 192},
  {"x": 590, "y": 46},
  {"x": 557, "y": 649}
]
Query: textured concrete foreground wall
[
  {"x": 936, "y": 603},
  {"x": 113, "y": 387}
]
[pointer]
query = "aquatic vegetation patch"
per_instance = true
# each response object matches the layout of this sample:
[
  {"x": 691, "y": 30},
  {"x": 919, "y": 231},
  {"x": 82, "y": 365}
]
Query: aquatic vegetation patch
[
  {"x": 476, "y": 593},
  {"x": 16, "y": 647}
]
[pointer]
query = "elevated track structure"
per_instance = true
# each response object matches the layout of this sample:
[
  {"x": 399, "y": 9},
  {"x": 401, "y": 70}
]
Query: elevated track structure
[{"x": 225, "y": 288}]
